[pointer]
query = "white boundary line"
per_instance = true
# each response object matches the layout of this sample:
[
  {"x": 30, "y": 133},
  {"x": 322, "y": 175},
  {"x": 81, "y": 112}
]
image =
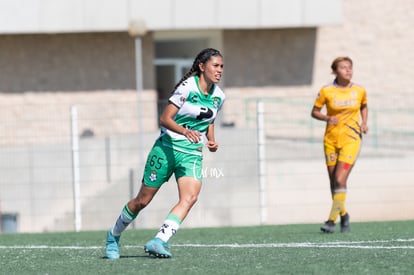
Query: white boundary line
[{"x": 339, "y": 244}]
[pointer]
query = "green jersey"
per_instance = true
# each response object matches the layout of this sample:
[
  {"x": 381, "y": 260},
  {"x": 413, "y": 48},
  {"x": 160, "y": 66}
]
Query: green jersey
[{"x": 196, "y": 112}]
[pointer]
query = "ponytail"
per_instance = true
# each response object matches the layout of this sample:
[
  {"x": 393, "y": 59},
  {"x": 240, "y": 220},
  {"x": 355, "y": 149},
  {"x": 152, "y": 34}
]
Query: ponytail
[{"x": 201, "y": 58}]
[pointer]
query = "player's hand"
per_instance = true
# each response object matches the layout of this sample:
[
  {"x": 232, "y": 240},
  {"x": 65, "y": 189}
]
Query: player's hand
[
  {"x": 364, "y": 128},
  {"x": 192, "y": 136},
  {"x": 333, "y": 120},
  {"x": 212, "y": 146}
]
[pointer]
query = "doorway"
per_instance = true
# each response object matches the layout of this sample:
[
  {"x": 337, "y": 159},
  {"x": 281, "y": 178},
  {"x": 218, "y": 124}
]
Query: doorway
[{"x": 173, "y": 59}]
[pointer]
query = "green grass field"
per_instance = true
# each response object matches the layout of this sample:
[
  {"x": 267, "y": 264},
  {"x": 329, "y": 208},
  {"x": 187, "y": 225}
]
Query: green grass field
[{"x": 371, "y": 248}]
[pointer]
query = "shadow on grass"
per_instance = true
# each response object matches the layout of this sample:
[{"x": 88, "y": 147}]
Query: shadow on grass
[{"x": 133, "y": 256}]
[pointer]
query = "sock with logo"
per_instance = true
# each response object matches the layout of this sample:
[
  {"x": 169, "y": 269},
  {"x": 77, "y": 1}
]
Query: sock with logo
[
  {"x": 169, "y": 227},
  {"x": 124, "y": 219}
]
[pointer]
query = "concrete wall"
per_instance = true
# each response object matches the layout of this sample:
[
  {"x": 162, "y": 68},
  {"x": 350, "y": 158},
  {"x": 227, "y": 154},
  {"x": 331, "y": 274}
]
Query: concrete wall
[
  {"x": 276, "y": 57},
  {"x": 106, "y": 61},
  {"x": 296, "y": 184},
  {"x": 377, "y": 35},
  {"x": 297, "y": 58},
  {"x": 72, "y": 62},
  {"x": 41, "y": 118},
  {"x": 46, "y": 16}
]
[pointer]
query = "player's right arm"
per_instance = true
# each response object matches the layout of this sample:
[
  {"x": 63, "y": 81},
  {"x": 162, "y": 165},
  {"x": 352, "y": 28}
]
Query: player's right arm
[{"x": 167, "y": 120}]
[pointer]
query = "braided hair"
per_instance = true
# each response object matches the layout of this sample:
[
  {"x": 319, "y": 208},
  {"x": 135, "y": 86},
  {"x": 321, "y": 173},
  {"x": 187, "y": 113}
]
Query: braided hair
[{"x": 201, "y": 58}]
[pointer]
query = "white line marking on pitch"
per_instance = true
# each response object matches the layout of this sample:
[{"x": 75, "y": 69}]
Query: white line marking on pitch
[{"x": 338, "y": 244}]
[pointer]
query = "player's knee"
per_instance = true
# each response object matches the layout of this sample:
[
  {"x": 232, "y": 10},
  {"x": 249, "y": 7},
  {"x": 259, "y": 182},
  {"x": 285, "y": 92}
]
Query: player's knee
[
  {"x": 140, "y": 202},
  {"x": 340, "y": 183},
  {"x": 190, "y": 199}
]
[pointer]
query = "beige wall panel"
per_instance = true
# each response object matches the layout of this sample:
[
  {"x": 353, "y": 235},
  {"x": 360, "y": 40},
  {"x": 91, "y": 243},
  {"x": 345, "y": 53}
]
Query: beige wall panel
[
  {"x": 269, "y": 57},
  {"x": 71, "y": 62}
]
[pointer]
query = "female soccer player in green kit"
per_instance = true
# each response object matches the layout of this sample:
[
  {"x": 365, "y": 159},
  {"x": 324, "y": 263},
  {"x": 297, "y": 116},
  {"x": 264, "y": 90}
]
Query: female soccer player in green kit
[
  {"x": 346, "y": 120},
  {"x": 185, "y": 123}
]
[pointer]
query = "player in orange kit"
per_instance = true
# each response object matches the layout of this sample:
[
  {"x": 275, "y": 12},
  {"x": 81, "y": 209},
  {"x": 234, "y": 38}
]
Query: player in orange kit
[{"x": 346, "y": 120}]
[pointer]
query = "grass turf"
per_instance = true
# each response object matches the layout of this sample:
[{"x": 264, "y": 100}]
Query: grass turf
[{"x": 371, "y": 248}]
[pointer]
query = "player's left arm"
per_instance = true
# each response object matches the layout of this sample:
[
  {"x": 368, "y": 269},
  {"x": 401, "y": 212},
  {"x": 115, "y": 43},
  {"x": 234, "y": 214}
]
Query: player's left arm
[
  {"x": 211, "y": 142},
  {"x": 364, "y": 117}
]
